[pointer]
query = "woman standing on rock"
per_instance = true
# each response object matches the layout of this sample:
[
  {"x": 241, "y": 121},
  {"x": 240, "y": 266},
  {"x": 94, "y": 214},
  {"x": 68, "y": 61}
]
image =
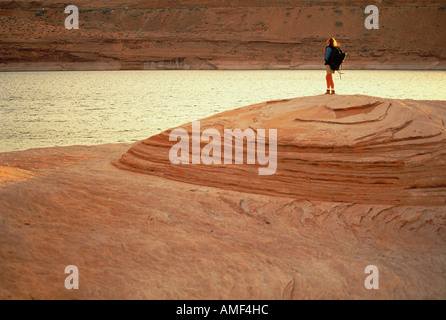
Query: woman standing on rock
[{"x": 329, "y": 77}]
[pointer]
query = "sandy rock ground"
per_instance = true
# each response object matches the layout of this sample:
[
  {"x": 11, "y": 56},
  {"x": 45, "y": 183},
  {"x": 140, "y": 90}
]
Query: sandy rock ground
[{"x": 145, "y": 236}]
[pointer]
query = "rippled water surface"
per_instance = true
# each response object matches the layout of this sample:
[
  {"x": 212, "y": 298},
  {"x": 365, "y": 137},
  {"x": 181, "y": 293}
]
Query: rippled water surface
[{"x": 44, "y": 109}]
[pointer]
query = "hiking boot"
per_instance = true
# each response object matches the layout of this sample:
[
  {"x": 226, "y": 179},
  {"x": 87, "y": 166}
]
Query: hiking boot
[
  {"x": 333, "y": 92},
  {"x": 328, "y": 92}
]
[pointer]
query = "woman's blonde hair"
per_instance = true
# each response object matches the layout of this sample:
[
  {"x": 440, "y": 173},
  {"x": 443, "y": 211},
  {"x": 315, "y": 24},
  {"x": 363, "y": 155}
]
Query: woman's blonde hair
[{"x": 332, "y": 42}]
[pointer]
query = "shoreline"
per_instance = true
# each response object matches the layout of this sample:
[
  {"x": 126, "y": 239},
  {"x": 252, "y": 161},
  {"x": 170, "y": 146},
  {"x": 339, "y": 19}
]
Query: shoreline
[{"x": 105, "y": 66}]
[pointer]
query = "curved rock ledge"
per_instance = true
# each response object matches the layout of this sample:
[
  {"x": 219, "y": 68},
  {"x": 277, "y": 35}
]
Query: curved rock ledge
[{"x": 356, "y": 149}]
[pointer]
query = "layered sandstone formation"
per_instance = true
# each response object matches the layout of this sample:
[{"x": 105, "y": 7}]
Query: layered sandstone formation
[
  {"x": 212, "y": 34},
  {"x": 211, "y": 232},
  {"x": 352, "y": 149}
]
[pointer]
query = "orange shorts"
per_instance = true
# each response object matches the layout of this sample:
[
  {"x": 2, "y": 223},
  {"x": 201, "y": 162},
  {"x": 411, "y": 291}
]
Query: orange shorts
[{"x": 329, "y": 71}]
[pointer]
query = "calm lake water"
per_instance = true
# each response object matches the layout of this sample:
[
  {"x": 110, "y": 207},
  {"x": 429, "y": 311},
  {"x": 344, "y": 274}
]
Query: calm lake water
[{"x": 44, "y": 109}]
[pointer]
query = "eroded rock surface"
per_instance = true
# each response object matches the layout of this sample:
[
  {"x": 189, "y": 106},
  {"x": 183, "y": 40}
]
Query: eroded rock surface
[
  {"x": 150, "y": 236},
  {"x": 346, "y": 148}
]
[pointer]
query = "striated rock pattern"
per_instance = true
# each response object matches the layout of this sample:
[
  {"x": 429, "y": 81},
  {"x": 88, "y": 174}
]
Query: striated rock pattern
[
  {"x": 345, "y": 148},
  {"x": 229, "y": 233},
  {"x": 135, "y": 236},
  {"x": 214, "y": 34}
]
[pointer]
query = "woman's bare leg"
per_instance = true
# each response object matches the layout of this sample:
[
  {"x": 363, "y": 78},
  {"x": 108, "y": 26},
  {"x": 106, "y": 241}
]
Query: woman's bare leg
[{"x": 330, "y": 82}]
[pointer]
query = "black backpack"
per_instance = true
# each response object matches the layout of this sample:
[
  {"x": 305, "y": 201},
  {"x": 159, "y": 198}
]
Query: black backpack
[{"x": 336, "y": 59}]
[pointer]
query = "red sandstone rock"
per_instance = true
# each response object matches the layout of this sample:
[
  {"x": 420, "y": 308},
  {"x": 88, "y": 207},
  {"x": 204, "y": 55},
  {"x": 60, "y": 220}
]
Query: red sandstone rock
[
  {"x": 349, "y": 149},
  {"x": 142, "y": 236},
  {"x": 209, "y": 34}
]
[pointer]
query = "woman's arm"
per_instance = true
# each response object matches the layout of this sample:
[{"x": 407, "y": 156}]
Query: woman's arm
[{"x": 327, "y": 54}]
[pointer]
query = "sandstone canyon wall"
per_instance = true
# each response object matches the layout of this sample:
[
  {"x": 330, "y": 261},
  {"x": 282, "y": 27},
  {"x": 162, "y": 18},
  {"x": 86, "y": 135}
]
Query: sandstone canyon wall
[{"x": 210, "y": 34}]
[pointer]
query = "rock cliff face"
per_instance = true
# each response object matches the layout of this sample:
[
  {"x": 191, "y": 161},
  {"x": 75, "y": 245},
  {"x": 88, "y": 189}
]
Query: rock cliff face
[
  {"x": 243, "y": 34},
  {"x": 211, "y": 232}
]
